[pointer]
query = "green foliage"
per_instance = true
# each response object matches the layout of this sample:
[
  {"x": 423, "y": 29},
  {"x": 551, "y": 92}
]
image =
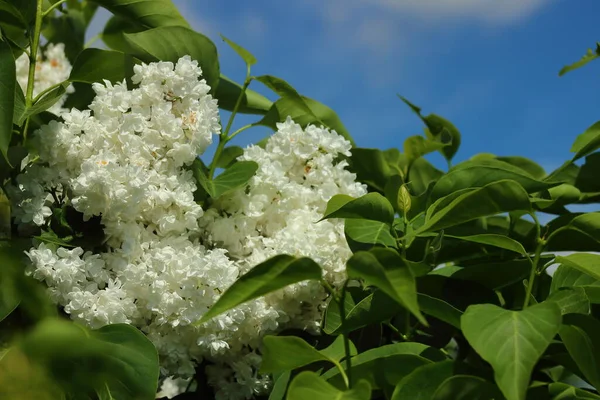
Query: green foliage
[{"x": 447, "y": 295}]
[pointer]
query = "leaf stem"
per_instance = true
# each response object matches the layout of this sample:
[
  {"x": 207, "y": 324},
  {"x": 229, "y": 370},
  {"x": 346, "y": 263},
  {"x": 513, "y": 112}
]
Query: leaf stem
[
  {"x": 35, "y": 42},
  {"x": 342, "y": 305},
  {"x": 223, "y": 137},
  {"x": 52, "y": 7},
  {"x": 243, "y": 128},
  {"x": 541, "y": 243}
]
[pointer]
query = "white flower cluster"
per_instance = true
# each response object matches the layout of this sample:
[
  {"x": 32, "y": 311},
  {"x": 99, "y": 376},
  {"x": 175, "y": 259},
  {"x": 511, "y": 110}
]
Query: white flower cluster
[
  {"x": 166, "y": 260},
  {"x": 51, "y": 69}
]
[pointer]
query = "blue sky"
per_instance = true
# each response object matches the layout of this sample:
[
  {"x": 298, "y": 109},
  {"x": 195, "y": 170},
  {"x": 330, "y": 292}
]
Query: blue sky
[{"x": 489, "y": 66}]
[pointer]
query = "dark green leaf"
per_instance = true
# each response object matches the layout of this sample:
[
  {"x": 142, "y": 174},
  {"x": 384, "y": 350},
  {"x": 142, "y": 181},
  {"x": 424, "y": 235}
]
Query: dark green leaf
[
  {"x": 47, "y": 101},
  {"x": 566, "y": 277},
  {"x": 562, "y": 391},
  {"x": 422, "y": 383},
  {"x": 7, "y": 95},
  {"x": 470, "y": 204},
  {"x": 490, "y": 239},
  {"x": 385, "y": 269},
  {"x": 96, "y": 65},
  {"x": 371, "y": 206},
  {"x": 233, "y": 177},
  {"x": 169, "y": 43},
  {"x": 581, "y": 336},
  {"x": 285, "y": 353},
  {"x": 67, "y": 28},
  {"x": 370, "y": 167},
  {"x": 439, "y": 309},
  {"x": 115, "y": 361},
  {"x": 370, "y": 232},
  {"x": 268, "y": 276},
  {"x": 252, "y": 102},
  {"x": 511, "y": 341},
  {"x": 248, "y": 58},
  {"x": 466, "y": 387},
  {"x": 147, "y": 13},
  {"x": 308, "y": 385},
  {"x": 229, "y": 156},
  {"x": 12, "y": 265}
]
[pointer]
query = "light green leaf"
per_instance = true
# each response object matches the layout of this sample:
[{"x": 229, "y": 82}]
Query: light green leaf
[
  {"x": 309, "y": 385},
  {"x": 470, "y": 204},
  {"x": 562, "y": 391},
  {"x": 7, "y": 95},
  {"x": 385, "y": 269},
  {"x": 169, "y": 43},
  {"x": 285, "y": 353},
  {"x": 587, "y": 224},
  {"x": 566, "y": 277},
  {"x": 422, "y": 383},
  {"x": 233, "y": 177},
  {"x": 268, "y": 276},
  {"x": 47, "y": 101},
  {"x": 286, "y": 91},
  {"x": 511, "y": 341},
  {"x": 248, "y": 58},
  {"x": 581, "y": 336},
  {"x": 252, "y": 102},
  {"x": 571, "y": 300},
  {"x": 589, "y": 56},
  {"x": 371, "y": 206},
  {"x": 280, "y": 384},
  {"x": 96, "y": 65},
  {"x": 585, "y": 262},
  {"x": 12, "y": 263},
  {"x": 587, "y": 142},
  {"x": 116, "y": 361},
  {"x": 370, "y": 232}
]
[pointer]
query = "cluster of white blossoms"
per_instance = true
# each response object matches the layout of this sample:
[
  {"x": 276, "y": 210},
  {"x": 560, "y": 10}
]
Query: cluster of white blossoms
[
  {"x": 51, "y": 69},
  {"x": 165, "y": 260}
]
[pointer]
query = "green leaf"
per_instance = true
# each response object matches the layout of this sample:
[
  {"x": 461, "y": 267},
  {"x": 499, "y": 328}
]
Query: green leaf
[
  {"x": 20, "y": 108},
  {"x": 309, "y": 385},
  {"x": 319, "y": 114},
  {"x": 169, "y": 43},
  {"x": 471, "y": 174},
  {"x": 285, "y": 353},
  {"x": 252, "y": 102},
  {"x": 585, "y": 262},
  {"x": 233, "y": 177},
  {"x": 374, "y": 308},
  {"x": 494, "y": 275},
  {"x": 587, "y": 224},
  {"x": 466, "y": 387},
  {"x": 489, "y": 239},
  {"x": 370, "y": 232},
  {"x": 68, "y": 28},
  {"x": 571, "y": 300},
  {"x": 370, "y": 167},
  {"x": 385, "y": 269},
  {"x": 147, "y": 13},
  {"x": 371, "y": 206},
  {"x": 280, "y": 384},
  {"x": 47, "y": 101},
  {"x": 587, "y": 142},
  {"x": 418, "y": 146},
  {"x": 494, "y": 198},
  {"x": 586, "y": 179},
  {"x": 422, "y": 383},
  {"x": 248, "y": 58},
  {"x": 12, "y": 264},
  {"x": 511, "y": 341},
  {"x": 438, "y": 128},
  {"x": 268, "y": 276},
  {"x": 96, "y": 65},
  {"x": 581, "y": 336},
  {"x": 562, "y": 391},
  {"x": 286, "y": 91},
  {"x": 7, "y": 95},
  {"x": 589, "y": 56},
  {"x": 439, "y": 309},
  {"x": 387, "y": 364},
  {"x": 115, "y": 361},
  {"x": 567, "y": 277},
  {"x": 527, "y": 165},
  {"x": 5, "y": 225},
  {"x": 229, "y": 156}
]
